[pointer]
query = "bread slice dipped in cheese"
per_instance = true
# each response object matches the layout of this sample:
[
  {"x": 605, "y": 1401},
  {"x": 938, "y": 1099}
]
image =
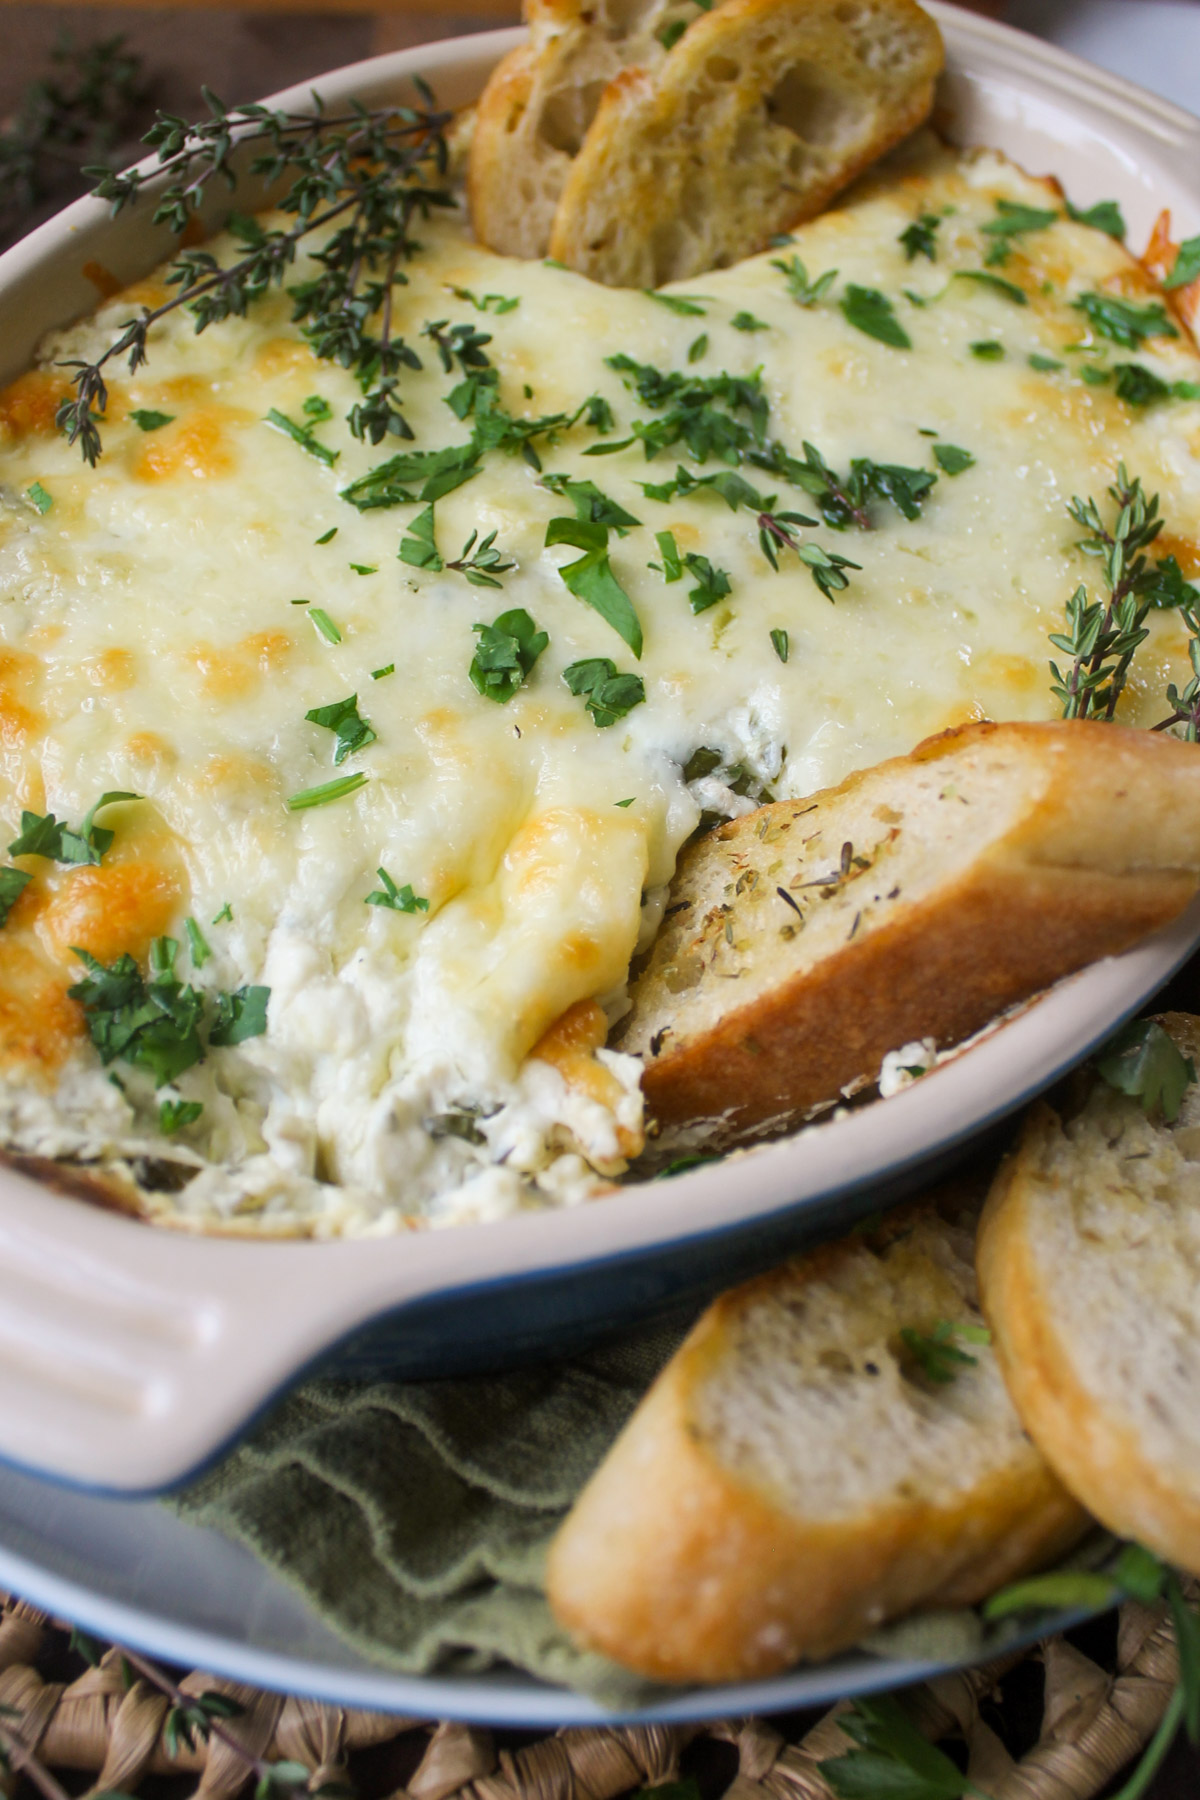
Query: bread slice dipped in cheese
[
  {"x": 762, "y": 112},
  {"x": 919, "y": 899},
  {"x": 1088, "y": 1258},
  {"x": 541, "y": 99},
  {"x": 831, "y": 1446}
]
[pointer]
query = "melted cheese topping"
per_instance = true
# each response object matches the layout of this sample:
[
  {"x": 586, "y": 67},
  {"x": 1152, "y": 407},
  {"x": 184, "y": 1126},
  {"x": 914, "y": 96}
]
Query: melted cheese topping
[{"x": 152, "y": 640}]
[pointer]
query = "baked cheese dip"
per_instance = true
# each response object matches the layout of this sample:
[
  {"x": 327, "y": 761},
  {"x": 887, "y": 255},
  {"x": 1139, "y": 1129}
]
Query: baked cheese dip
[{"x": 406, "y": 738}]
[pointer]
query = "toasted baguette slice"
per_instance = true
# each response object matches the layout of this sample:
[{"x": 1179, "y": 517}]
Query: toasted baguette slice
[
  {"x": 918, "y": 899},
  {"x": 540, "y": 101},
  {"x": 1089, "y": 1269},
  {"x": 756, "y": 119},
  {"x": 794, "y": 1477}
]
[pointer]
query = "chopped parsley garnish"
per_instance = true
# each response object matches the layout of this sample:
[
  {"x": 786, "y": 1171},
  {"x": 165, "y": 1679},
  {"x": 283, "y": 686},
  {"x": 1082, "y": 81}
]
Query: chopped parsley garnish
[
  {"x": 697, "y": 410},
  {"x": 670, "y": 34},
  {"x": 53, "y": 838},
  {"x": 1139, "y": 386},
  {"x": 803, "y": 291},
  {"x": 873, "y": 313},
  {"x": 1143, "y": 1061},
  {"x": 609, "y": 696},
  {"x": 378, "y": 674},
  {"x": 225, "y": 914},
  {"x": 1014, "y": 220},
  {"x": 920, "y": 238},
  {"x": 689, "y": 305},
  {"x": 938, "y": 1356},
  {"x": 507, "y": 651},
  {"x": 624, "y": 803},
  {"x": 238, "y": 1016},
  {"x": 41, "y": 499},
  {"x": 746, "y": 321},
  {"x": 328, "y": 536},
  {"x": 147, "y": 420},
  {"x": 302, "y": 435},
  {"x": 591, "y": 504},
  {"x": 1122, "y": 321},
  {"x": 1045, "y": 365},
  {"x": 13, "y": 883},
  {"x": 341, "y": 717},
  {"x": 329, "y": 790},
  {"x": 173, "y": 1115},
  {"x": 951, "y": 460},
  {"x": 590, "y": 578},
  {"x": 988, "y": 350},
  {"x": 419, "y": 549},
  {"x": 497, "y": 303},
  {"x": 1187, "y": 265},
  {"x": 712, "y": 585},
  {"x": 197, "y": 943},
  {"x": 317, "y": 408},
  {"x": 780, "y": 644},
  {"x": 671, "y": 567},
  {"x": 1105, "y": 216},
  {"x": 397, "y": 899},
  {"x": 698, "y": 348},
  {"x": 365, "y": 568},
  {"x": 1095, "y": 376},
  {"x": 997, "y": 283},
  {"x": 155, "y": 1023},
  {"x": 325, "y": 625},
  {"x": 435, "y": 472}
]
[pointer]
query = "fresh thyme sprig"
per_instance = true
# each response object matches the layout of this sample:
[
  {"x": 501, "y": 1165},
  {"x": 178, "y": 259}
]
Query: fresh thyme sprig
[
  {"x": 1101, "y": 638},
  {"x": 777, "y": 531},
  {"x": 369, "y": 173}
]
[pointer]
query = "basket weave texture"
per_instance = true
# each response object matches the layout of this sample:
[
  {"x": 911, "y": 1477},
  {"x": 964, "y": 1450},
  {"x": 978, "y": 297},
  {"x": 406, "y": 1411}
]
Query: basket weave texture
[{"x": 1095, "y": 1720}]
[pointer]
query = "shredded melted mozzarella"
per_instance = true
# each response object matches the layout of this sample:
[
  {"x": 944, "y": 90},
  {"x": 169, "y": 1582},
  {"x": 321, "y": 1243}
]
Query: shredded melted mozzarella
[{"x": 152, "y": 639}]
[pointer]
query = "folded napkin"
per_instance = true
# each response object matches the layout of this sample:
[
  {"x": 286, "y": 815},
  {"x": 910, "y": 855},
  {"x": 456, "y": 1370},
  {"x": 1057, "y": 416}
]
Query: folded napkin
[{"x": 414, "y": 1517}]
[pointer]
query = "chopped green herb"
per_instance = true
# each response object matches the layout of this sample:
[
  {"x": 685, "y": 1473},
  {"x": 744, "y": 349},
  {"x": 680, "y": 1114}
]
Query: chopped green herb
[
  {"x": 1013, "y": 220},
  {"x": 497, "y": 303},
  {"x": 317, "y": 408},
  {"x": 302, "y": 435},
  {"x": 197, "y": 943},
  {"x": 1186, "y": 390},
  {"x": 1095, "y": 376},
  {"x": 53, "y": 838},
  {"x": 378, "y": 674},
  {"x": 13, "y": 883},
  {"x": 419, "y": 549},
  {"x": 154, "y": 1025},
  {"x": 688, "y": 305},
  {"x": 325, "y": 625},
  {"x": 328, "y": 537},
  {"x": 997, "y": 283},
  {"x": 330, "y": 790},
  {"x": 1123, "y": 322},
  {"x": 591, "y": 504},
  {"x": 436, "y": 472},
  {"x": 843, "y": 500},
  {"x": 1187, "y": 265},
  {"x": 780, "y": 644},
  {"x": 239, "y": 1016},
  {"x": 508, "y": 649},
  {"x": 951, "y": 460},
  {"x": 1105, "y": 216},
  {"x": 712, "y": 585},
  {"x": 1045, "y": 365},
  {"x": 41, "y": 499},
  {"x": 892, "y": 1758},
  {"x": 672, "y": 562},
  {"x": 225, "y": 914},
  {"x": 1142, "y": 1060},
  {"x": 341, "y": 717},
  {"x": 397, "y": 899},
  {"x": 461, "y": 344},
  {"x": 920, "y": 238},
  {"x": 173, "y": 1115},
  {"x": 732, "y": 488},
  {"x": 1139, "y": 386},
  {"x": 699, "y": 410},
  {"x": 1101, "y": 639},
  {"x": 1060, "y": 1590},
  {"x": 365, "y": 568},
  {"x": 146, "y": 420},
  {"x": 872, "y": 312},
  {"x": 624, "y": 803},
  {"x": 698, "y": 348},
  {"x": 484, "y": 565},
  {"x": 670, "y": 34},
  {"x": 937, "y": 1354},
  {"x": 591, "y": 578},
  {"x": 609, "y": 695},
  {"x": 803, "y": 291},
  {"x": 746, "y": 321},
  {"x": 988, "y": 350}
]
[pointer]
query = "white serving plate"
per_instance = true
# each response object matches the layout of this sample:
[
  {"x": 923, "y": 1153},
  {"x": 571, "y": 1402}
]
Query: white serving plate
[{"x": 129, "y": 1356}]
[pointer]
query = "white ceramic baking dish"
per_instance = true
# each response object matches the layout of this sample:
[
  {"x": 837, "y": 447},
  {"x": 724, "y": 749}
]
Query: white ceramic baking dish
[{"x": 129, "y": 1356}]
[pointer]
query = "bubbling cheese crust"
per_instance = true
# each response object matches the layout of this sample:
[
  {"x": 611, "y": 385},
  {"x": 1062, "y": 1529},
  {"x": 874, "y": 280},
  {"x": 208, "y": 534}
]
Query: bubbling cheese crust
[{"x": 442, "y": 1065}]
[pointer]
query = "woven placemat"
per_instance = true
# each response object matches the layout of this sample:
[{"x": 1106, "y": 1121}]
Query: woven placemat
[{"x": 1056, "y": 1723}]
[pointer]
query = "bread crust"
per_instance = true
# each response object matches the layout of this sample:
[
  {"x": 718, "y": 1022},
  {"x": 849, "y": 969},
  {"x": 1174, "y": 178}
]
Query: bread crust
[
  {"x": 676, "y": 1566},
  {"x": 1107, "y": 850},
  {"x": 1085, "y": 1435},
  {"x": 698, "y": 165}
]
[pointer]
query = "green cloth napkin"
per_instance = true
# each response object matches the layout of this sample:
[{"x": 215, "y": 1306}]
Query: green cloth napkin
[{"x": 414, "y": 1517}]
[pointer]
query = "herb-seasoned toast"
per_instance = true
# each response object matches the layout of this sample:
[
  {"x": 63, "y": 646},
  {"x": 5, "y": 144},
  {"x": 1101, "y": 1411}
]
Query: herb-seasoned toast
[
  {"x": 823, "y": 1453},
  {"x": 540, "y": 101},
  {"x": 762, "y": 112},
  {"x": 1088, "y": 1257},
  {"x": 918, "y": 899}
]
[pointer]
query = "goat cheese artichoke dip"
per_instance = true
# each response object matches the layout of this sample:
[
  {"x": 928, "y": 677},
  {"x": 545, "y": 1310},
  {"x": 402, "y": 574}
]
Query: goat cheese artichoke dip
[{"x": 413, "y": 759}]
